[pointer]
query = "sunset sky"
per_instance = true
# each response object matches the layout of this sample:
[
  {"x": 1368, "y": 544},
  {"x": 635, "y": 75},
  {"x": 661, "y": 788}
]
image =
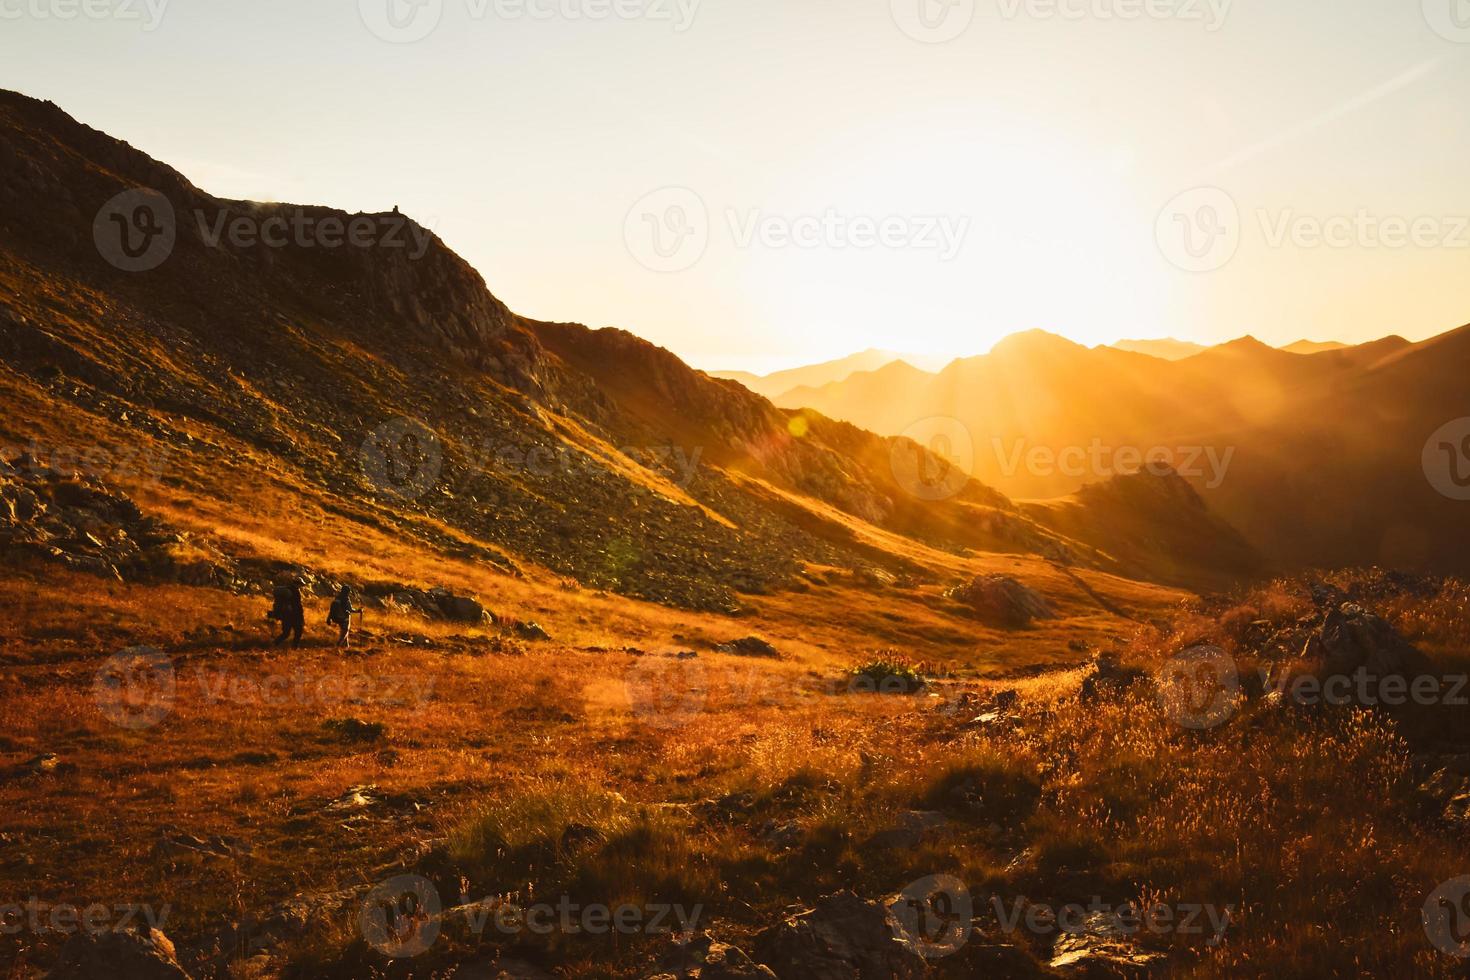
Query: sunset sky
[{"x": 833, "y": 176}]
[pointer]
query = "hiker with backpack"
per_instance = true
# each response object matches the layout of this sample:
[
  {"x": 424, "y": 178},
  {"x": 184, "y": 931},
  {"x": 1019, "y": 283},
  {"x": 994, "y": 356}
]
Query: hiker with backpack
[
  {"x": 288, "y": 611},
  {"x": 340, "y": 615}
]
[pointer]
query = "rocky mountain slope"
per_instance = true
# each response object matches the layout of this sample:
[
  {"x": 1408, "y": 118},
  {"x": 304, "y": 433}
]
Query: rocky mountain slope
[{"x": 359, "y": 367}]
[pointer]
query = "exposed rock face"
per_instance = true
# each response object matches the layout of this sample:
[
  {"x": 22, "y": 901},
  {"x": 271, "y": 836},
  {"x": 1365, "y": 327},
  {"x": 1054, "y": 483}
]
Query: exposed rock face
[
  {"x": 145, "y": 954},
  {"x": 76, "y": 520},
  {"x": 1351, "y": 640},
  {"x": 843, "y": 938},
  {"x": 1001, "y": 601}
]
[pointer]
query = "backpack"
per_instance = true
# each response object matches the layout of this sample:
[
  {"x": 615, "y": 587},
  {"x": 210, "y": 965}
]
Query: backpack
[{"x": 338, "y": 614}]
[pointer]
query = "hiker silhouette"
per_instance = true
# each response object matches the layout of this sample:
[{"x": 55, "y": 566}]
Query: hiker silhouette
[
  {"x": 340, "y": 616},
  {"x": 288, "y": 611}
]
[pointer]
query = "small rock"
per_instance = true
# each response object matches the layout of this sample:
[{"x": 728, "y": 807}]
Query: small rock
[{"x": 749, "y": 646}]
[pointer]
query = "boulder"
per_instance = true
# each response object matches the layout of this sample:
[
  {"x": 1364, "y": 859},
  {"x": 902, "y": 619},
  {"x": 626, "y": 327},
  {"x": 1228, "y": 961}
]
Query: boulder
[
  {"x": 1002, "y": 601},
  {"x": 1351, "y": 640},
  {"x": 843, "y": 938},
  {"x": 748, "y": 646},
  {"x": 532, "y": 631},
  {"x": 458, "y": 608},
  {"x": 144, "y": 954}
]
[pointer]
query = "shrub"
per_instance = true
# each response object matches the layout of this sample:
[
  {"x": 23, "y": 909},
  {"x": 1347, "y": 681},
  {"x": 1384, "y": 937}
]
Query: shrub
[{"x": 887, "y": 673}]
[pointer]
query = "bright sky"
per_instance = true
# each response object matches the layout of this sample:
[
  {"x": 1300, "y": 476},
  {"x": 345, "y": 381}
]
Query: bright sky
[{"x": 833, "y": 176}]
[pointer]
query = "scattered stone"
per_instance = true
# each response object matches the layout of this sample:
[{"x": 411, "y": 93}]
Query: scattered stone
[
  {"x": 355, "y": 729},
  {"x": 748, "y": 646},
  {"x": 1101, "y": 947},
  {"x": 532, "y": 632},
  {"x": 1002, "y": 601},
  {"x": 706, "y": 958},
  {"x": 842, "y": 938}
]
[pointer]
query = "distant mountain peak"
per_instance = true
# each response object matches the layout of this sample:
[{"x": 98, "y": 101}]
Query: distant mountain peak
[{"x": 1034, "y": 341}]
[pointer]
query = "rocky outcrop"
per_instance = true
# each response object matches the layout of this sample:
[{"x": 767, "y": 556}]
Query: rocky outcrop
[
  {"x": 842, "y": 938},
  {"x": 144, "y": 954},
  {"x": 1352, "y": 640},
  {"x": 1001, "y": 601}
]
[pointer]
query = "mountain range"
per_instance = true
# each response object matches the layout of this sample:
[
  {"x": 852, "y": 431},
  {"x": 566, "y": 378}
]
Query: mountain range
[{"x": 1317, "y": 456}]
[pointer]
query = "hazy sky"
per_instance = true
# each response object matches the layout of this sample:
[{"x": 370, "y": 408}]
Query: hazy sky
[{"x": 758, "y": 183}]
